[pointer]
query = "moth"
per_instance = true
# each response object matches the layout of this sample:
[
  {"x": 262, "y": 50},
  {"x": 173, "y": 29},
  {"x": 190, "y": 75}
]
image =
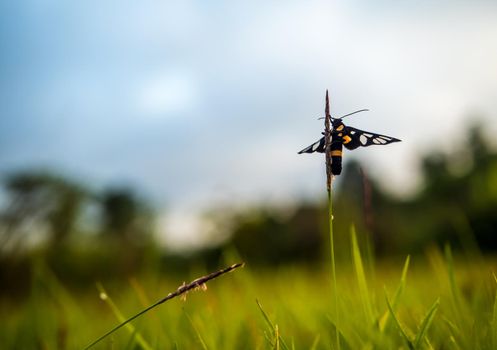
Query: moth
[{"x": 351, "y": 138}]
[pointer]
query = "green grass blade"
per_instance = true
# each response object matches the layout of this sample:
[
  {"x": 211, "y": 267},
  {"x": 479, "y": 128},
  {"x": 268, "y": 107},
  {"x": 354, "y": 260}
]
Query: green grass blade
[
  {"x": 276, "y": 338},
  {"x": 361, "y": 277},
  {"x": 494, "y": 320},
  {"x": 266, "y": 318},
  {"x": 425, "y": 324},
  {"x": 315, "y": 343},
  {"x": 346, "y": 341},
  {"x": 274, "y": 329},
  {"x": 385, "y": 319},
  {"x": 403, "y": 332},
  {"x": 131, "y": 341},
  {"x": 199, "y": 336},
  {"x": 120, "y": 317},
  {"x": 456, "y": 296}
]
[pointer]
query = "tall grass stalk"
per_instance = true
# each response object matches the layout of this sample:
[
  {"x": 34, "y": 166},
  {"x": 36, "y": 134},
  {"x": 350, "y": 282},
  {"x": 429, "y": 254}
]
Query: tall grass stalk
[
  {"x": 333, "y": 266},
  {"x": 329, "y": 185}
]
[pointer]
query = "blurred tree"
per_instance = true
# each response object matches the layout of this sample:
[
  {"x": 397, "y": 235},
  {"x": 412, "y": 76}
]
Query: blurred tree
[
  {"x": 270, "y": 237},
  {"x": 457, "y": 203},
  {"x": 40, "y": 207},
  {"x": 125, "y": 216},
  {"x": 127, "y": 225},
  {"x": 36, "y": 201}
]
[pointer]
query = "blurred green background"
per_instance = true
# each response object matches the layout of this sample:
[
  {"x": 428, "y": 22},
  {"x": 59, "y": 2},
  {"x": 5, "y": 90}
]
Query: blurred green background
[{"x": 86, "y": 235}]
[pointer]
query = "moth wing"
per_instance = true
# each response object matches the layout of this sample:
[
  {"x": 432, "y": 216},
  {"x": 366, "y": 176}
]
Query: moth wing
[
  {"x": 358, "y": 138},
  {"x": 317, "y": 146}
]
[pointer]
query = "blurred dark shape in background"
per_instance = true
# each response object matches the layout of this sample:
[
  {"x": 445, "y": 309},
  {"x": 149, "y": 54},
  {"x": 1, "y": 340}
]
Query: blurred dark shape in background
[
  {"x": 123, "y": 215},
  {"x": 44, "y": 219},
  {"x": 457, "y": 204},
  {"x": 266, "y": 237},
  {"x": 127, "y": 227},
  {"x": 42, "y": 215},
  {"x": 38, "y": 201}
]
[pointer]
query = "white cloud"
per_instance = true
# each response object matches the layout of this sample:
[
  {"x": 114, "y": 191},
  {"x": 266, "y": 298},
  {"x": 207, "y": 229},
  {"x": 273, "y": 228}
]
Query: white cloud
[{"x": 163, "y": 94}]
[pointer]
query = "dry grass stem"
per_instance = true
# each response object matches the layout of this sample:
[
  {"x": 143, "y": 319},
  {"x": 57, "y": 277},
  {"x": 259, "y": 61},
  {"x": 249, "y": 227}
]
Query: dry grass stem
[
  {"x": 199, "y": 283},
  {"x": 327, "y": 133}
]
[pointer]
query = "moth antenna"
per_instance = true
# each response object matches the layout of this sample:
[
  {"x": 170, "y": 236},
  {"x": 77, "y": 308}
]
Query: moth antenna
[{"x": 361, "y": 110}]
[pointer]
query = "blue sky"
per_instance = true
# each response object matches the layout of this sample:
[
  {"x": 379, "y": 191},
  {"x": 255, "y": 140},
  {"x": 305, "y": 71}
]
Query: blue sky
[{"x": 206, "y": 103}]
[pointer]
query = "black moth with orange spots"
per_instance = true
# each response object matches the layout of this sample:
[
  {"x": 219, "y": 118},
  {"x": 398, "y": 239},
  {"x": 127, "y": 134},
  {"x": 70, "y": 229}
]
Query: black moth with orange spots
[{"x": 351, "y": 138}]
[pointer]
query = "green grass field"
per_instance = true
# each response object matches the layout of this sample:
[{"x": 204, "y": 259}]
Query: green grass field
[{"x": 433, "y": 303}]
